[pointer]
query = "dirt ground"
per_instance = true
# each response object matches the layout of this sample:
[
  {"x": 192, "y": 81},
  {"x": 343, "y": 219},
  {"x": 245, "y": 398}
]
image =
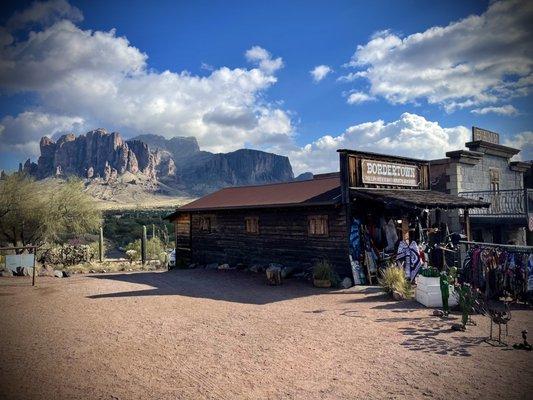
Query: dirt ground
[{"x": 202, "y": 334}]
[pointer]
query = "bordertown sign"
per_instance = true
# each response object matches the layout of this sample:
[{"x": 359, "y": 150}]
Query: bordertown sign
[
  {"x": 485, "y": 135},
  {"x": 387, "y": 173}
]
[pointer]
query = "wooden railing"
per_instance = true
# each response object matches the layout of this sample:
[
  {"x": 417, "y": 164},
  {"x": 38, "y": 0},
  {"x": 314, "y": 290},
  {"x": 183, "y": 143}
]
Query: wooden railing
[{"x": 514, "y": 202}]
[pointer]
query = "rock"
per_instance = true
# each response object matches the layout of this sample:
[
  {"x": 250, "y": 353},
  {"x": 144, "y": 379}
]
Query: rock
[
  {"x": 58, "y": 274},
  {"x": 212, "y": 266},
  {"x": 273, "y": 275},
  {"x": 458, "y": 327},
  {"x": 346, "y": 283},
  {"x": 6, "y": 272},
  {"x": 92, "y": 271},
  {"x": 257, "y": 268},
  {"x": 224, "y": 266},
  {"x": 24, "y": 271},
  {"x": 397, "y": 296},
  {"x": 66, "y": 274},
  {"x": 438, "y": 313},
  {"x": 46, "y": 270}
]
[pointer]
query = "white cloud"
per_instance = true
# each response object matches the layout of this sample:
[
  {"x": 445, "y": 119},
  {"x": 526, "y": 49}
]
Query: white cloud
[
  {"x": 411, "y": 135},
  {"x": 480, "y": 59},
  {"x": 320, "y": 72},
  {"x": 264, "y": 59},
  {"x": 358, "y": 98},
  {"x": 524, "y": 142},
  {"x": 502, "y": 110},
  {"x": 82, "y": 75},
  {"x": 44, "y": 13},
  {"x": 21, "y": 134}
]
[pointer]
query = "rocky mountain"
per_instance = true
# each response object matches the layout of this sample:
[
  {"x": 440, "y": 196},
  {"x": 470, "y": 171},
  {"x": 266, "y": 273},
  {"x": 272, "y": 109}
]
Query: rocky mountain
[
  {"x": 97, "y": 154},
  {"x": 177, "y": 163}
]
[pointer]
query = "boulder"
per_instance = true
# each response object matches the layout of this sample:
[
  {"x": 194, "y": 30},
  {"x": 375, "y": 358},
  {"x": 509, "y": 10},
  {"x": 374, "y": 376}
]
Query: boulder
[
  {"x": 438, "y": 313},
  {"x": 273, "y": 275},
  {"x": 58, "y": 274},
  {"x": 46, "y": 270},
  {"x": 257, "y": 268},
  {"x": 6, "y": 272},
  {"x": 458, "y": 327},
  {"x": 286, "y": 272},
  {"x": 397, "y": 296},
  {"x": 24, "y": 271},
  {"x": 346, "y": 283},
  {"x": 225, "y": 267}
]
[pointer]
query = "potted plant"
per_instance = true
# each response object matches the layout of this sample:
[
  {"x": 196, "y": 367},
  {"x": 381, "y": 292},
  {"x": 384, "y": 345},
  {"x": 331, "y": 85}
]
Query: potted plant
[
  {"x": 429, "y": 285},
  {"x": 322, "y": 274}
]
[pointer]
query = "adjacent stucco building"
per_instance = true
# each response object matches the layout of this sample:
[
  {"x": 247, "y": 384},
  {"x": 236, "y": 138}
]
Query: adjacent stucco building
[{"x": 485, "y": 171}]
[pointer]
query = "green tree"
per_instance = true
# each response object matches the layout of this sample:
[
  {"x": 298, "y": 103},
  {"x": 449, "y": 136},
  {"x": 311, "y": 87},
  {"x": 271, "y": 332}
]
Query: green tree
[{"x": 32, "y": 213}]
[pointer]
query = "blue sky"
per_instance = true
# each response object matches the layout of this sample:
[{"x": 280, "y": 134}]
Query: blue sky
[{"x": 239, "y": 74}]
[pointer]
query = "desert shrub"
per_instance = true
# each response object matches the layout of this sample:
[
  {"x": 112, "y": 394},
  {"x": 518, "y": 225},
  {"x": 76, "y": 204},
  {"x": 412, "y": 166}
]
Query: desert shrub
[
  {"x": 322, "y": 271},
  {"x": 94, "y": 249},
  {"x": 393, "y": 280},
  {"x": 67, "y": 254},
  {"x": 155, "y": 249}
]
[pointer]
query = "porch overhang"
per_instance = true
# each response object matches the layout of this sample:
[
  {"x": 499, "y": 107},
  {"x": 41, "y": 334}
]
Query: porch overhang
[{"x": 416, "y": 199}]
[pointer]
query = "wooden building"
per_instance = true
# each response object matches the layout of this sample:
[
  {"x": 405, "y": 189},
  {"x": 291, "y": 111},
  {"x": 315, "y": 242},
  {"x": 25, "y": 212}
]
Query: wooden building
[{"x": 298, "y": 223}]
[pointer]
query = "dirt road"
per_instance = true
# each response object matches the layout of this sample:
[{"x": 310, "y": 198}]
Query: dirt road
[{"x": 200, "y": 334}]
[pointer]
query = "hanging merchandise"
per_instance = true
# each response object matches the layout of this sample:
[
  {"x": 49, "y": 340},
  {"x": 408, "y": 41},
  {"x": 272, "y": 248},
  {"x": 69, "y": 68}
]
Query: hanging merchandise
[
  {"x": 409, "y": 254},
  {"x": 355, "y": 253},
  {"x": 391, "y": 235},
  {"x": 498, "y": 272}
]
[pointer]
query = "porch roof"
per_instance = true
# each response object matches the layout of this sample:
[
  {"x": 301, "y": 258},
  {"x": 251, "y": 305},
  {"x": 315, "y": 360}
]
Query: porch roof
[{"x": 409, "y": 198}]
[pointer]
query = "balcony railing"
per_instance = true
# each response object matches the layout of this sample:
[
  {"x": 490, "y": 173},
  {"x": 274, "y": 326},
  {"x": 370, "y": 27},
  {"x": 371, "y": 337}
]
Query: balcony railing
[{"x": 510, "y": 203}]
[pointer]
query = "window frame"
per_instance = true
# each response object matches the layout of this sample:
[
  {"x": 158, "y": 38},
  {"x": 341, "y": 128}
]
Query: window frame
[
  {"x": 202, "y": 219},
  {"x": 254, "y": 220},
  {"x": 324, "y": 220}
]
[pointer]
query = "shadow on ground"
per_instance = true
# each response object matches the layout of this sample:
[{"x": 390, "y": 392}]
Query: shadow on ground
[
  {"x": 434, "y": 335},
  {"x": 233, "y": 286}
]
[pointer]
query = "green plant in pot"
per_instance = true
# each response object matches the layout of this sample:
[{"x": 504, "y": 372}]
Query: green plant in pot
[{"x": 322, "y": 274}]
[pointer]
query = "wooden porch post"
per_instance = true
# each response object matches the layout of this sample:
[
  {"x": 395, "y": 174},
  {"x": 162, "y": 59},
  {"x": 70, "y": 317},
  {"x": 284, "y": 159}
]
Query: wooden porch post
[{"x": 466, "y": 217}]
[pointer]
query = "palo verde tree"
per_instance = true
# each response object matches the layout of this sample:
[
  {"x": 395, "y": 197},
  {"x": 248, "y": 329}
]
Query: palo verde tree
[{"x": 32, "y": 213}]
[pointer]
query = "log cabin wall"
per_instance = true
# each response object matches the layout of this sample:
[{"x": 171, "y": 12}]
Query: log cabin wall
[{"x": 283, "y": 237}]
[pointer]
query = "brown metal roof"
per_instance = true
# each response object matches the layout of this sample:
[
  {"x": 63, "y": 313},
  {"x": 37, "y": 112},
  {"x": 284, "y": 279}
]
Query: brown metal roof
[
  {"x": 312, "y": 192},
  {"x": 418, "y": 198}
]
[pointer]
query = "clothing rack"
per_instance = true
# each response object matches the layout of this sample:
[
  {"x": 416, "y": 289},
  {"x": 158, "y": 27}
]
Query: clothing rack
[{"x": 511, "y": 247}]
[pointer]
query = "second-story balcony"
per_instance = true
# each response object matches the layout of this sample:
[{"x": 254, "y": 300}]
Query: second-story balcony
[{"x": 512, "y": 204}]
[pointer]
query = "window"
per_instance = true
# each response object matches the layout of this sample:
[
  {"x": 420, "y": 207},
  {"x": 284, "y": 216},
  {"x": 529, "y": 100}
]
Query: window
[
  {"x": 251, "y": 225},
  {"x": 205, "y": 224},
  {"x": 318, "y": 225},
  {"x": 494, "y": 174}
]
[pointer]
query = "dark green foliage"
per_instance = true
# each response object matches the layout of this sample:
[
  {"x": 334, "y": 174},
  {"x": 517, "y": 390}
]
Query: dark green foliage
[
  {"x": 124, "y": 227},
  {"x": 430, "y": 272},
  {"x": 322, "y": 271},
  {"x": 37, "y": 212}
]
